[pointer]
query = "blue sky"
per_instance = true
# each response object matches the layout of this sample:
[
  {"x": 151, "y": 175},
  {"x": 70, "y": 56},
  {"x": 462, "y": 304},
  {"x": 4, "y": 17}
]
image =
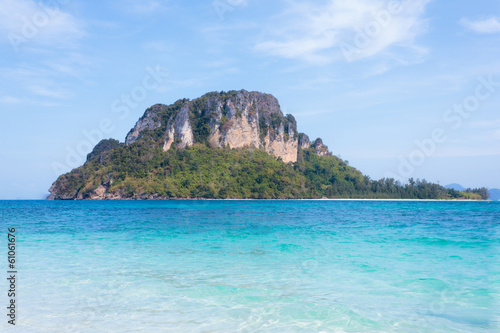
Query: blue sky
[{"x": 397, "y": 88}]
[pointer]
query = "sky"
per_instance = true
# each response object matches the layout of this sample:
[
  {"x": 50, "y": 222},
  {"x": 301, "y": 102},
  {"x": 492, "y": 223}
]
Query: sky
[{"x": 398, "y": 88}]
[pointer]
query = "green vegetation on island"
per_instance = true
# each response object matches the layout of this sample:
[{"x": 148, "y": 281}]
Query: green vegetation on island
[{"x": 143, "y": 170}]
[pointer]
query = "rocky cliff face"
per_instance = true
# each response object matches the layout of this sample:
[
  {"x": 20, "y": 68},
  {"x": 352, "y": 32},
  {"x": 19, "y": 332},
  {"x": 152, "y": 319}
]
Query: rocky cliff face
[
  {"x": 148, "y": 121},
  {"x": 235, "y": 119},
  {"x": 320, "y": 148}
]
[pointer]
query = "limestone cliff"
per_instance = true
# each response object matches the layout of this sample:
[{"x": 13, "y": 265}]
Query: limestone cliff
[
  {"x": 148, "y": 121},
  {"x": 320, "y": 148},
  {"x": 235, "y": 119}
]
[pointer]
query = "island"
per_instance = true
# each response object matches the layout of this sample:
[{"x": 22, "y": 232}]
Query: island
[{"x": 228, "y": 145}]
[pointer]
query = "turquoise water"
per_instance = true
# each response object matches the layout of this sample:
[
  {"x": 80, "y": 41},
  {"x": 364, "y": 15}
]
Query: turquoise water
[{"x": 254, "y": 266}]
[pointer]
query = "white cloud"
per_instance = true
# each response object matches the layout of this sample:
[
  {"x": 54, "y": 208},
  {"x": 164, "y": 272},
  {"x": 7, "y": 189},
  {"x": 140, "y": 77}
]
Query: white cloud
[
  {"x": 9, "y": 100},
  {"x": 310, "y": 113},
  {"x": 57, "y": 93},
  {"x": 146, "y": 6},
  {"x": 496, "y": 135},
  {"x": 182, "y": 83},
  {"x": 313, "y": 84},
  {"x": 142, "y": 7},
  {"x": 41, "y": 83},
  {"x": 442, "y": 152},
  {"x": 487, "y": 26},
  {"x": 157, "y": 46},
  {"x": 467, "y": 152},
  {"x": 378, "y": 69},
  {"x": 225, "y": 62},
  {"x": 26, "y": 21},
  {"x": 361, "y": 28},
  {"x": 485, "y": 124}
]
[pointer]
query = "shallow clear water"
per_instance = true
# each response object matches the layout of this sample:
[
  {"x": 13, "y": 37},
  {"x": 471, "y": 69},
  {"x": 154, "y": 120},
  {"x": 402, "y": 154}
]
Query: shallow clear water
[{"x": 254, "y": 266}]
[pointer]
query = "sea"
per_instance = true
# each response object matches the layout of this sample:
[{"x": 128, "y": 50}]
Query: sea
[{"x": 250, "y": 266}]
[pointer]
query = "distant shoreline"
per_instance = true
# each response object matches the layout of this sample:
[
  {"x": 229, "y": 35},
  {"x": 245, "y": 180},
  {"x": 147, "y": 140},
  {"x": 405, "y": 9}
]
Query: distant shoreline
[{"x": 251, "y": 199}]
